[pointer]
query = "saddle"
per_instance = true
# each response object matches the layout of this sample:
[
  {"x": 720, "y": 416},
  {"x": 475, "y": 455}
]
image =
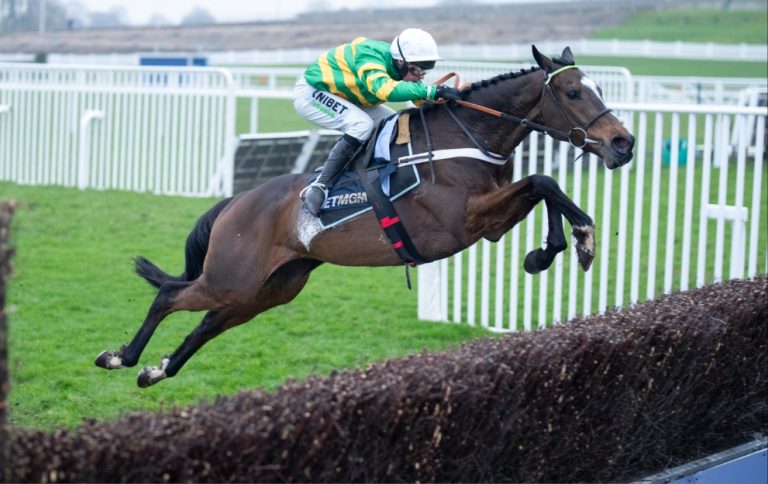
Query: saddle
[
  {"x": 372, "y": 182},
  {"x": 347, "y": 198}
]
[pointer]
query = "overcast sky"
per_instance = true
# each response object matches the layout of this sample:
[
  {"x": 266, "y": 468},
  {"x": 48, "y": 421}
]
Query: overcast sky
[{"x": 139, "y": 11}]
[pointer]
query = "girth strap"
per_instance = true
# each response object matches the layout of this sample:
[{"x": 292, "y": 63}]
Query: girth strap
[{"x": 388, "y": 218}]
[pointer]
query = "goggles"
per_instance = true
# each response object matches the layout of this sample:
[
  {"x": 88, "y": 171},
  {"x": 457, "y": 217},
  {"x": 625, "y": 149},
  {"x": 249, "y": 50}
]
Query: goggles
[{"x": 420, "y": 69}]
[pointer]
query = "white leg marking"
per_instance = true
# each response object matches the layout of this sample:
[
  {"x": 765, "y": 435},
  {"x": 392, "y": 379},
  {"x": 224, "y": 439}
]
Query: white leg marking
[
  {"x": 155, "y": 373},
  {"x": 111, "y": 360},
  {"x": 115, "y": 362},
  {"x": 587, "y": 240},
  {"x": 307, "y": 227}
]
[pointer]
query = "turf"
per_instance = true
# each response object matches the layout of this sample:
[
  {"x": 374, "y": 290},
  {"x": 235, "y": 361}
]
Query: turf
[{"x": 74, "y": 295}]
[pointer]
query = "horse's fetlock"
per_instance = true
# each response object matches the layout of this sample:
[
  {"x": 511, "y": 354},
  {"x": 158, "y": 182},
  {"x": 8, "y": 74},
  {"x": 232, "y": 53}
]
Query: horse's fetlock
[
  {"x": 129, "y": 359},
  {"x": 557, "y": 247}
]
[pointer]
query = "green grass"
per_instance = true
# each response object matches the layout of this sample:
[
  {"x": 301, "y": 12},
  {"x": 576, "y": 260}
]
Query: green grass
[
  {"x": 692, "y": 25},
  {"x": 679, "y": 67},
  {"x": 74, "y": 295}
]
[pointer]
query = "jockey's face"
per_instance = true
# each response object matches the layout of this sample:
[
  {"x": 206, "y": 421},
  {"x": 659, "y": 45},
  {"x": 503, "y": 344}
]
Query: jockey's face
[
  {"x": 410, "y": 76},
  {"x": 414, "y": 72}
]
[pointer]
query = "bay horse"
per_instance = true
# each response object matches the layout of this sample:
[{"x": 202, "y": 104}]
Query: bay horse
[{"x": 256, "y": 251}]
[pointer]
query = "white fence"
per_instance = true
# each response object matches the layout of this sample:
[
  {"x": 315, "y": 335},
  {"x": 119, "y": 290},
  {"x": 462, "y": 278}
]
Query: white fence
[
  {"x": 469, "y": 52},
  {"x": 522, "y": 51},
  {"x": 172, "y": 131},
  {"x": 161, "y": 130},
  {"x": 617, "y": 83},
  {"x": 697, "y": 90},
  {"x": 686, "y": 212}
]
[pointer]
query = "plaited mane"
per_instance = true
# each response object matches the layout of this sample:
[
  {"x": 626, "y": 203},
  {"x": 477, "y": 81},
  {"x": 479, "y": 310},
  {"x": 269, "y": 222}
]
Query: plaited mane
[
  {"x": 501, "y": 77},
  {"x": 510, "y": 75}
]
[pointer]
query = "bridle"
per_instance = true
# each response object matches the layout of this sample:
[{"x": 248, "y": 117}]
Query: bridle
[
  {"x": 581, "y": 128},
  {"x": 576, "y": 136}
]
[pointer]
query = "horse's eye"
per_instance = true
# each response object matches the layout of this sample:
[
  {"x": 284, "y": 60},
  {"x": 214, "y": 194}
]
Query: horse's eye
[{"x": 573, "y": 94}]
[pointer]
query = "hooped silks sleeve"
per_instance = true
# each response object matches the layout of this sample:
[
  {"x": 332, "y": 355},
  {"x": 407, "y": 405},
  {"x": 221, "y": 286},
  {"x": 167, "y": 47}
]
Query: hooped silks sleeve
[{"x": 362, "y": 72}]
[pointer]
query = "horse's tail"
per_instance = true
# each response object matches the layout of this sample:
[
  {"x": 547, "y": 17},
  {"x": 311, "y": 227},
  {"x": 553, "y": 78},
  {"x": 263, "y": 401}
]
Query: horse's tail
[
  {"x": 194, "y": 251},
  {"x": 151, "y": 273}
]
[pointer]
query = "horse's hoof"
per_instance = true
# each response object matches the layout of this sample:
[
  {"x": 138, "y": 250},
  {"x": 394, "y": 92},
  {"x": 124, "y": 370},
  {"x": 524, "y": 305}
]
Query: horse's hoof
[
  {"x": 109, "y": 360},
  {"x": 585, "y": 257},
  {"x": 149, "y": 375},
  {"x": 530, "y": 264},
  {"x": 585, "y": 245}
]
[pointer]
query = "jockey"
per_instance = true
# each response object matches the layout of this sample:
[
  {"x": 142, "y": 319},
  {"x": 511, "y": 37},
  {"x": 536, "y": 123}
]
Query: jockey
[{"x": 346, "y": 88}]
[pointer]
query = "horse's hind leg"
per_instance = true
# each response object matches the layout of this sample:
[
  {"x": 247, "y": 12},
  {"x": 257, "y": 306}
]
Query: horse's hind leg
[
  {"x": 162, "y": 306},
  {"x": 213, "y": 324},
  {"x": 281, "y": 287}
]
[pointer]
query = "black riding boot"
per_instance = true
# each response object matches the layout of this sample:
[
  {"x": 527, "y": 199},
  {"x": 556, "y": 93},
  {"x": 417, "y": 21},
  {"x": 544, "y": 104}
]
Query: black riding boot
[{"x": 315, "y": 194}]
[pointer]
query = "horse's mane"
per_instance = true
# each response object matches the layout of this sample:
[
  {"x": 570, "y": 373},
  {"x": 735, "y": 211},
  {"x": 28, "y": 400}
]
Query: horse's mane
[
  {"x": 501, "y": 77},
  {"x": 475, "y": 86},
  {"x": 510, "y": 75}
]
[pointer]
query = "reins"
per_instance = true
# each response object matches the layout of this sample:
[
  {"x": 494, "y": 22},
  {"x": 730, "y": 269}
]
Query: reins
[{"x": 570, "y": 135}]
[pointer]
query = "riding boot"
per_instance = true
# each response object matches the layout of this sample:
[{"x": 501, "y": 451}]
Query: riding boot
[{"x": 315, "y": 194}]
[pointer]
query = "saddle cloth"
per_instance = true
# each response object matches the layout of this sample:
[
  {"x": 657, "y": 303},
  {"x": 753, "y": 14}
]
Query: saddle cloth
[{"x": 347, "y": 199}]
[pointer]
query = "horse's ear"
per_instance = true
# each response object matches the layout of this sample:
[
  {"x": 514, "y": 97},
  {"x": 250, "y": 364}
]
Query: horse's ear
[
  {"x": 543, "y": 61},
  {"x": 567, "y": 57}
]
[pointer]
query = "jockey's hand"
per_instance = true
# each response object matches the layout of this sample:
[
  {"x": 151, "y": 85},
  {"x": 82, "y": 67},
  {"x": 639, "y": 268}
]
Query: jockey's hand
[{"x": 448, "y": 93}]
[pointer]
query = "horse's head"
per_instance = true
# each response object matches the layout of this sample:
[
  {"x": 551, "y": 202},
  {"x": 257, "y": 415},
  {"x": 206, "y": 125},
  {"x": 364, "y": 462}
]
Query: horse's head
[{"x": 573, "y": 105}]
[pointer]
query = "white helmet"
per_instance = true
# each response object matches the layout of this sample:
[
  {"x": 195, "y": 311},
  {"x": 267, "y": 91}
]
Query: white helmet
[{"x": 414, "y": 45}]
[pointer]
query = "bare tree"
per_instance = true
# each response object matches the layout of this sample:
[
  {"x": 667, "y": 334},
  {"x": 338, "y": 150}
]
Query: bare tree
[
  {"x": 198, "y": 16},
  {"x": 158, "y": 20},
  {"x": 18, "y": 15}
]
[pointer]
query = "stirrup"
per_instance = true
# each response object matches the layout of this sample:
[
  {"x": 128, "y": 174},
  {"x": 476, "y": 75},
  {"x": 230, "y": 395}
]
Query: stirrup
[{"x": 321, "y": 186}]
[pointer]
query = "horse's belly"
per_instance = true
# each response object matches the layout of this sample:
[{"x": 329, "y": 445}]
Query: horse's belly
[{"x": 350, "y": 246}]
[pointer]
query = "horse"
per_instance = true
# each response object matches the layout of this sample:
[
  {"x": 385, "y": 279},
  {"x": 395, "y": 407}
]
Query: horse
[{"x": 255, "y": 251}]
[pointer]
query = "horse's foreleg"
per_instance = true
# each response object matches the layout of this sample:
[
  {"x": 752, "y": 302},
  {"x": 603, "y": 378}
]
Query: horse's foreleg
[
  {"x": 128, "y": 355},
  {"x": 540, "y": 259},
  {"x": 582, "y": 224}
]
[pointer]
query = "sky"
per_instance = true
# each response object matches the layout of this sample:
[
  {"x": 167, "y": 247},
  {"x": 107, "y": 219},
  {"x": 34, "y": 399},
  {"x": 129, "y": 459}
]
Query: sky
[{"x": 139, "y": 11}]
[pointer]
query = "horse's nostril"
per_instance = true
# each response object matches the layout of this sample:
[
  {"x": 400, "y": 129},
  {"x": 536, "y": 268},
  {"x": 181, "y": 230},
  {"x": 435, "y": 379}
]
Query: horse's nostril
[{"x": 623, "y": 144}]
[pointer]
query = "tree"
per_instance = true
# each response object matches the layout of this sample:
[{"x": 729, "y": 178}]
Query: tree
[
  {"x": 114, "y": 18},
  {"x": 318, "y": 6},
  {"x": 158, "y": 20},
  {"x": 198, "y": 16},
  {"x": 18, "y": 15}
]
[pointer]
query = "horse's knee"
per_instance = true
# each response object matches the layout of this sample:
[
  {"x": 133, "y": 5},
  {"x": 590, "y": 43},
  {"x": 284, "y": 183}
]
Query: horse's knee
[{"x": 543, "y": 184}]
